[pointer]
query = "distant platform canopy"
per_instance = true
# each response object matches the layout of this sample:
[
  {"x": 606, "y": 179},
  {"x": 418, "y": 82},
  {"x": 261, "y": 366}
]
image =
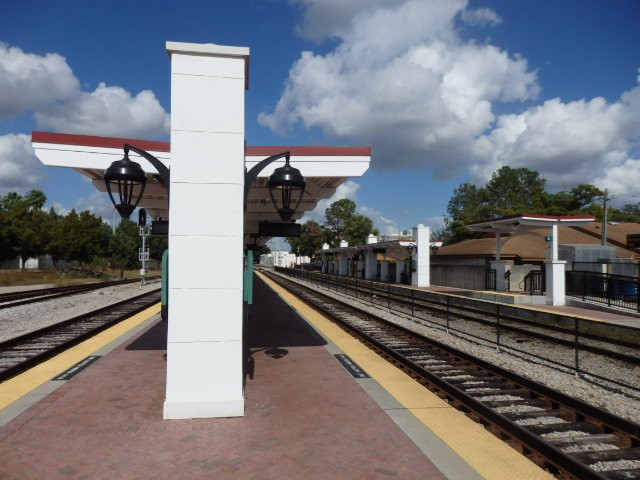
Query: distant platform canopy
[
  {"x": 325, "y": 168},
  {"x": 518, "y": 223}
]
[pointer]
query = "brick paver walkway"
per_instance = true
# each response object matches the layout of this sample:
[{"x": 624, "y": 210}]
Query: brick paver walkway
[{"x": 305, "y": 419}]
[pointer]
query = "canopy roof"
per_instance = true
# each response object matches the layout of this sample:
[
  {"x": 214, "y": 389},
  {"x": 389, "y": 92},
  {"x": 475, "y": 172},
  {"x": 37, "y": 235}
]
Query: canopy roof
[
  {"x": 523, "y": 222},
  {"x": 324, "y": 168}
]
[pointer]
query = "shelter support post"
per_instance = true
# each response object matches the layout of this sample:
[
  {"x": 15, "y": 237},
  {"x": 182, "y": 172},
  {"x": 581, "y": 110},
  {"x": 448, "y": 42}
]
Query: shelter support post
[
  {"x": 205, "y": 350},
  {"x": 501, "y": 267},
  {"x": 421, "y": 277}
]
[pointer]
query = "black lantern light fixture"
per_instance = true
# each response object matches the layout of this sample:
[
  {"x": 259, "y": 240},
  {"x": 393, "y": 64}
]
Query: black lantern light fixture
[
  {"x": 286, "y": 185},
  {"x": 410, "y": 248},
  {"x": 434, "y": 249},
  {"x": 127, "y": 178}
]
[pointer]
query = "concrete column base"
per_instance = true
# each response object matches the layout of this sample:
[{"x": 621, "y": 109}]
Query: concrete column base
[
  {"x": 501, "y": 267},
  {"x": 180, "y": 410},
  {"x": 556, "y": 293}
]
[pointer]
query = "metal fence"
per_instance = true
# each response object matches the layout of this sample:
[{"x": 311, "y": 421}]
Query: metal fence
[
  {"x": 612, "y": 290},
  {"x": 534, "y": 282},
  {"x": 583, "y": 346}
]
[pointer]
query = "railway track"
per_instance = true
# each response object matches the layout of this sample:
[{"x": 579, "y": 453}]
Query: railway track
[
  {"x": 24, "y": 297},
  {"x": 607, "y": 353},
  {"x": 568, "y": 437},
  {"x": 25, "y": 351}
]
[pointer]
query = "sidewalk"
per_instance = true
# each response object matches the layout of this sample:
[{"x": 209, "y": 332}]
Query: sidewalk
[{"x": 305, "y": 418}]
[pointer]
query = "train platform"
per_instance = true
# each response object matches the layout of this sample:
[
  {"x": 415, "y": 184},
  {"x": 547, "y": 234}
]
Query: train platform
[
  {"x": 318, "y": 405},
  {"x": 574, "y": 307}
]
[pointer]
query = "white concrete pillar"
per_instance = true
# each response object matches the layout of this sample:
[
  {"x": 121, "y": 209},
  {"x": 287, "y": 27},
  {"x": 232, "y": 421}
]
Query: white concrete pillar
[
  {"x": 498, "y": 246},
  {"x": 342, "y": 259},
  {"x": 325, "y": 259},
  {"x": 555, "y": 273},
  {"x": 501, "y": 267},
  {"x": 204, "y": 347},
  {"x": 399, "y": 270},
  {"x": 342, "y": 264},
  {"x": 371, "y": 259},
  {"x": 421, "y": 277}
]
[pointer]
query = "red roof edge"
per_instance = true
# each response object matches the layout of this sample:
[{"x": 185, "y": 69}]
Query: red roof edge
[
  {"x": 523, "y": 216},
  {"x": 159, "y": 146},
  {"x": 95, "y": 141},
  {"x": 308, "y": 151}
]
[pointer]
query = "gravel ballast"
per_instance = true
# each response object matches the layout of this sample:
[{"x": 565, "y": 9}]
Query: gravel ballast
[
  {"x": 16, "y": 321},
  {"x": 616, "y": 402}
]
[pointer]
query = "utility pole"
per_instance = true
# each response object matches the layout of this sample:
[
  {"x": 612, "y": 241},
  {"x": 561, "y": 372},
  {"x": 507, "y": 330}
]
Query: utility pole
[
  {"x": 143, "y": 254},
  {"x": 604, "y": 217}
]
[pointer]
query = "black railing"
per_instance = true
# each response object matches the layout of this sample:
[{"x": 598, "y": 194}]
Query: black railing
[
  {"x": 587, "y": 345},
  {"x": 490, "y": 279},
  {"x": 613, "y": 290},
  {"x": 507, "y": 280},
  {"x": 534, "y": 282}
]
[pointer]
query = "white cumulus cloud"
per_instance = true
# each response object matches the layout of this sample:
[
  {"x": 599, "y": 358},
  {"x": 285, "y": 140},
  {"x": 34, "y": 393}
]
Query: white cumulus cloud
[
  {"x": 20, "y": 170},
  {"x": 108, "y": 111},
  {"x": 29, "y": 82},
  {"x": 584, "y": 141},
  {"x": 401, "y": 80},
  {"x": 46, "y": 86},
  {"x": 348, "y": 189}
]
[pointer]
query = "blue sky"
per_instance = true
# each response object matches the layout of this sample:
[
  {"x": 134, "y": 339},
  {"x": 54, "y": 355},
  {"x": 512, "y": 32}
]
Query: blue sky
[{"x": 444, "y": 91}]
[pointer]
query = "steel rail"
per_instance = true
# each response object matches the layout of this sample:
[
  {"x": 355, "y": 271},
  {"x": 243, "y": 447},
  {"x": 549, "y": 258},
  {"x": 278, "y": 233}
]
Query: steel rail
[
  {"x": 561, "y": 461},
  {"x": 27, "y": 345},
  {"x": 24, "y": 297},
  {"x": 419, "y": 300}
]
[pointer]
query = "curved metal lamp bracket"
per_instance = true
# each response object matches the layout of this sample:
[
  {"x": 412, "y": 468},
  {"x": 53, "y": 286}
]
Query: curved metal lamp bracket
[
  {"x": 251, "y": 175},
  {"x": 162, "y": 169}
]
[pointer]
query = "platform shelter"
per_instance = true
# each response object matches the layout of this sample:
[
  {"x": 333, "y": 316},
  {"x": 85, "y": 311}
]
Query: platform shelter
[
  {"x": 405, "y": 260},
  {"x": 544, "y": 225},
  {"x": 209, "y": 224}
]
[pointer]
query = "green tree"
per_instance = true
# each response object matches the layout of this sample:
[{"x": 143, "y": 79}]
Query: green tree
[
  {"x": 312, "y": 237},
  {"x": 342, "y": 223},
  {"x": 468, "y": 204},
  {"x": 55, "y": 237},
  {"x": 512, "y": 191},
  {"x": 576, "y": 201},
  {"x": 35, "y": 199},
  {"x": 124, "y": 246},
  {"x": 83, "y": 237},
  {"x": 23, "y": 225},
  {"x": 633, "y": 212},
  {"x": 157, "y": 245}
]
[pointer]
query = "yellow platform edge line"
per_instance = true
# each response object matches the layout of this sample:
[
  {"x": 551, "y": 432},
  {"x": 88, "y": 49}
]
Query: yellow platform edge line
[
  {"x": 21, "y": 385},
  {"x": 484, "y": 452}
]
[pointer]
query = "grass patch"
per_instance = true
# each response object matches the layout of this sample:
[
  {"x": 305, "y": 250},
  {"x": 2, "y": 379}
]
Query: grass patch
[{"x": 12, "y": 278}]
